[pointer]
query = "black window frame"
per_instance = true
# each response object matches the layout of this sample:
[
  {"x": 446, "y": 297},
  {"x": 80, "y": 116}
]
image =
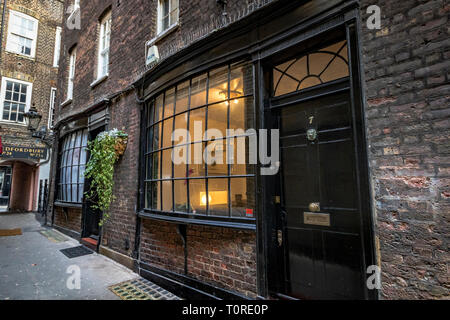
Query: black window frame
[
  {"x": 189, "y": 217},
  {"x": 62, "y": 167}
]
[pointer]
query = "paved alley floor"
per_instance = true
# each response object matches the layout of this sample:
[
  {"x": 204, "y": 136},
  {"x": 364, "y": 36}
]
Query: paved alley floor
[{"x": 33, "y": 268}]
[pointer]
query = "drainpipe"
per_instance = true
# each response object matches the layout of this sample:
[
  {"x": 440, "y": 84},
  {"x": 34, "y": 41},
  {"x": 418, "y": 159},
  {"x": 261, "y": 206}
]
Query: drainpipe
[{"x": 1, "y": 31}]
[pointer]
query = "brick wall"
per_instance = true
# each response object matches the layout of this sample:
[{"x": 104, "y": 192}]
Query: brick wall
[
  {"x": 40, "y": 70},
  {"x": 70, "y": 220},
  {"x": 220, "y": 256},
  {"x": 119, "y": 232},
  {"x": 130, "y": 28},
  {"x": 223, "y": 256},
  {"x": 407, "y": 70}
]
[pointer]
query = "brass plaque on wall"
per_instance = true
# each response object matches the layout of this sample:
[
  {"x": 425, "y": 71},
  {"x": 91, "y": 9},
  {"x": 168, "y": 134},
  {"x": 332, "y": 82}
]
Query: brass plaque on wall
[{"x": 319, "y": 219}]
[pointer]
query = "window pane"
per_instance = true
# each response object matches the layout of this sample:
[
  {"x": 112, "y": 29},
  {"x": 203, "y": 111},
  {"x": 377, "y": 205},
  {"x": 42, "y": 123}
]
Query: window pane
[
  {"x": 242, "y": 114},
  {"x": 239, "y": 148},
  {"x": 198, "y": 91},
  {"x": 74, "y": 192},
  {"x": 174, "y": 16},
  {"x": 82, "y": 170},
  {"x": 242, "y": 197},
  {"x": 218, "y": 197},
  {"x": 180, "y": 161},
  {"x": 85, "y": 138},
  {"x": 155, "y": 166},
  {"x": 151, "y": 114},
  {"x": 217, "y": 119},
  {"x": 196, "y": 163},
  {"x": 218, "y": 85},
  {"x": 216, "y": 158},
  {"x": 159, "y": 107},
  {"x": 74, "y": 174},
  {"x": 167, "y": 132},
  {"x": 180, "y": 189},
  {"x": 169, "y": 102},
  {"x": 156, "y": 195},
  {"x": 148, "y": 195},
  {"x": 80, "y": 193},
  {"x": 167, "y": 196},
  {"x": 197, "y": 189},
  {"x": 156, "y": 136},
  {"x": 182, "y": 97},
  {"x": 181, "y": 127},
  {"x": 148, "y": 166},
  {"x": 167, "y": 164},
  {"x": 149, "y": 135},
  {"x": 197, "y": 124},
  {"x": 241, "y": 80}
]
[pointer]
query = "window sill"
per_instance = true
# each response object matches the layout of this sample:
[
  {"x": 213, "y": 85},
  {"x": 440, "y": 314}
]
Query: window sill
[
  {"x": 163, "y": 34},
  {"x": 23, "y": 124},
  {"x": 65, "y": 103},
  {"x": 192, "y": 220},
  {"x": 25, "y": 56},
  {"x": 98, "y": 81},
  {"x": 67, "y": 204}
]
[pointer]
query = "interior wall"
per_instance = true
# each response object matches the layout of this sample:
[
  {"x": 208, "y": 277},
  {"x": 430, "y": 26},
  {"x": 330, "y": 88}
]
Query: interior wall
[{"x": 22, "y": 188}]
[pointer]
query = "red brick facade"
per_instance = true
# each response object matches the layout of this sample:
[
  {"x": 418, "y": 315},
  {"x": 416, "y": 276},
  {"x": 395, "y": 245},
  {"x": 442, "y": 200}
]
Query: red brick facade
[
  {"x": 40, "y": 72},
  {"x": 406, "y": 73}
]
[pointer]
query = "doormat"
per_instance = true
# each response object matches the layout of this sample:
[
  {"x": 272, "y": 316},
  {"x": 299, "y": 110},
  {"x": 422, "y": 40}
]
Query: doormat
[
  {"x": 141, "y": 289},
  {"x": 53, "y": 236},
  {"x": 76, "y": 252},
  {"x": 10, "y": 232}
]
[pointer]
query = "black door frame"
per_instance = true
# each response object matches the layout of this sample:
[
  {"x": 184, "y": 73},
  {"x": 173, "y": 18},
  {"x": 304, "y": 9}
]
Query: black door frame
[
  {"x": 268, "y": 264},
  {"x": 99, "y": 123}
]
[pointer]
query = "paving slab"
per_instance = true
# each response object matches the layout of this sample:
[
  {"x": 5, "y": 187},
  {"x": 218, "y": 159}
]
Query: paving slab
[{"x": 33, "y": 268}]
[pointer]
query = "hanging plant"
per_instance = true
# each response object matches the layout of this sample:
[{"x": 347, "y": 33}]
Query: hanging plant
[{"x": 104, "y": 150}]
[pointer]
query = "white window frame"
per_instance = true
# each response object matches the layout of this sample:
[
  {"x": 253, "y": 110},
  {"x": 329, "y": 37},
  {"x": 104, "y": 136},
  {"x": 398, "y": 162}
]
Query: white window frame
[
  {"x": 57, "y": 47},
  {"x": 71, "y": 75},
  {"x": 103, "y": 46},
  {"x": 51, "y": 110},
  {"x": 172, "y": 24},
  {"x": 2, "y": 98},
  {"x": 31, "y": 36}
]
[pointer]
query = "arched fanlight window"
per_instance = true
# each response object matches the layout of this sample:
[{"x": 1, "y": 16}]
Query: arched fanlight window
[{"x": 321, "y": 66}]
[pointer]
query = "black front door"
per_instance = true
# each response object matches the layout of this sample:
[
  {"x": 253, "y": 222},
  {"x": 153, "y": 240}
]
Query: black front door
[
  {"x": 92, "y": 215},
  {"x": 320, "y": 237}
]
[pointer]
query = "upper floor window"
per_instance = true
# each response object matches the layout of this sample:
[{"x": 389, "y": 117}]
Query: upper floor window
[
  {"x": 15, "y": 99},
  {"x": 22, "y": 34},
  {"x": 103, "y": 52},
  {"x": 167, "y": 14},
  {"x": 57, "y": 47},
  {"x": 72, "y": 61}
]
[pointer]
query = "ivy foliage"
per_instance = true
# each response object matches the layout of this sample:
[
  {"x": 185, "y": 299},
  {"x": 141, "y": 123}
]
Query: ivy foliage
[{"x": 100, "y": 169}]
